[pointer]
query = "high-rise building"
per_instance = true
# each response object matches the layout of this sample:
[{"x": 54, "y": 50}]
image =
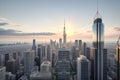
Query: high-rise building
[
  {"x": 1, "y": 60},
  {"x": 63, "y": 65},
  {"x": 44, "y": 74},
  {"x": 80, "y": 46},
  {"x": 98, "y": 44},
  {"x": 76, "y": 43},
  {"x": 92, "y": 54},
  {"x": 28, "y": 62},
  {"x": 88, "y": 53},
  {"x": 2, "y": 73},
  {"x": 84, "y": 48},
  {"x": 7, "y": 57},
  {"x": 49, "y": 56},
  {"x": 83, "y": 68},
  {"x": 118, "y": 59},
  {"x": 63, "y": 54},
  {"x": 34, "y": 46},
  {"x": 60, "y": 43},
  {"x": 15, "y": 56},
  {"x": 64, "y": 35},
  {"x": 39, "y": 52},
  {"x": 104, "y": 64},
  {"x": 43, "y": 52},
  {"x": 11, "y": 66}
]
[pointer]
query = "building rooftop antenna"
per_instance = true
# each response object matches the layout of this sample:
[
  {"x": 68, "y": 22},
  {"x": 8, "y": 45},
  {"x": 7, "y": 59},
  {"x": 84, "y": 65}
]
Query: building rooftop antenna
[{"x": 97, "y": 14}]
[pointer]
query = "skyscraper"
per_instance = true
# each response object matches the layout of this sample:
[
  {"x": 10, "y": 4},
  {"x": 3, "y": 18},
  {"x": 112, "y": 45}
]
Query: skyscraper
[
  {"x": 34, "y": 46},
  {"x": 118, "y": 61},
  {"x": 98, "y": 44},
  {"x": 39, "y": 52},
  {"x": 1, "y": 60},
  {"x": 63, "y": 65},
  {"x": 84, "y": 49},
  {"x": 64, "y": 35},
  {"x": 28, "y": 62},
  {"x": 11, "y": 66},
  {"x": 2, "y": 73},
  {"x": 60, "y": 43},
  {"x": 83, "y": 68}
]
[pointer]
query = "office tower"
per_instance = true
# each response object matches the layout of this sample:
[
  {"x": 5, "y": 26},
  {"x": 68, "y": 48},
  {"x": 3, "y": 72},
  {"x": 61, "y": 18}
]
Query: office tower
[
  {"x": 76, "y": 43},
  {"x": 74, "y": 54},
  {"x": 34, "y": 46},
  {"x": 111, "y": 62},
  {"x": 44, "y": 74},
  {"x": 80, "y": 44},
  {"x": 84, "y": 48},
  {"x": 10, "y": 76},
  {"x": 88, "y": 53},
  {"x": 98, "y": 43},
  {"x": 60, "y": 43},
  {"x": 64, "y": 35},
  {"x": 118, "y": 61},
  {"x": 15, "y": 56},
  {"x": 62, "y": 66},
  {"x": 6, "y": 58},
  {"x": 11, "y": 66},
  {"x": 63, "y": 54},
  {"x": 43, "y": 52},
  {"x": 1, "y": 60},
  {"x": 83, "y": 68},
  {"x": 92, "y": 55},
  {"x": 28, "y": 62},
  {"x": 105, "y": 64},
  {"x": 2, "y": 73},
  {"x": 53, "y": 59},
  {"x": 39, "y": 52},
  {"x": 49, "y": 55}
]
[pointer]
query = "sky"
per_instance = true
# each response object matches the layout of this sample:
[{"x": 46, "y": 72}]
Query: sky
[{"x": 23, "y": 20}]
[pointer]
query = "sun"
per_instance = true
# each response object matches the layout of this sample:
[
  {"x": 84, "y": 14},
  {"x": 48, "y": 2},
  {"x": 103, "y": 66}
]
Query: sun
[{"x": 69, "y": 30}]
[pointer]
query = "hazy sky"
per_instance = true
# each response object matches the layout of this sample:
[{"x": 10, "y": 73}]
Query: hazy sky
[{"x": 44, "y": 19}]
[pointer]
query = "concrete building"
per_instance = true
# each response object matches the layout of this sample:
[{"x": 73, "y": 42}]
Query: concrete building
[
  {"x": 2, "y": 73},
  {"x": 44, "y": 74},
  {"x": 83, "y": 68},
  {"x": 62, "y": 66},
  {"x": 29, "y": 56},
  {"x": 34, "y": 46},
  {"x": 11, "y": 66}
]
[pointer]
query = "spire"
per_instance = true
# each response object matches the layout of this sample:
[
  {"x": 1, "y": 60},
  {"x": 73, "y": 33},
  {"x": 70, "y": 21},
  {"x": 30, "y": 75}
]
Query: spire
[
  {"x": 64, "y": 33},
  {"x": 97, "y": 15},
  {"x": 64, "y": 22}
]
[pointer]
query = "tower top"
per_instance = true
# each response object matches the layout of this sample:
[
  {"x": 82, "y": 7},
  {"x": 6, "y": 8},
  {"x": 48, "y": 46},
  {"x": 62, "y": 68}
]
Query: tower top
[
  {"x": 97, "y": 15},
  {"x": 64, "y": 22}
]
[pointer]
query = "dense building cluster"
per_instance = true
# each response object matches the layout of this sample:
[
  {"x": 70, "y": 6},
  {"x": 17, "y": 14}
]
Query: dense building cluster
[{"x": 60, "y": 60}]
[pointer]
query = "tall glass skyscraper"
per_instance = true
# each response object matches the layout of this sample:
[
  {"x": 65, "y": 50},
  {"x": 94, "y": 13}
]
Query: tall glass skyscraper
[{"x": 98, "y": 44}]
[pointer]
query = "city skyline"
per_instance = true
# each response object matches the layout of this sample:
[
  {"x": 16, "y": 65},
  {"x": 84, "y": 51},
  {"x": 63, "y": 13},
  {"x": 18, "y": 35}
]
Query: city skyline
[{"x": 25, "y": 20}]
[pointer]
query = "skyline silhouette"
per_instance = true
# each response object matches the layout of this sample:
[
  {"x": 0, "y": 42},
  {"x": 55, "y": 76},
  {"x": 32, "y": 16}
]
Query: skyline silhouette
[{"x": 25, "y": 20}]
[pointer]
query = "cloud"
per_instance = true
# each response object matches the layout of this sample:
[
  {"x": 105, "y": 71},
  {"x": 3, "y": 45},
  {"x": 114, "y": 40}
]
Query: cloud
[
  {"x": 3, "y": 23},
  {"x": 89, "y": 31},
  {"x": 112, "y": 33},
  {"x": 116, "y": 28},
  {"x": 7, "y": 22},
  {"x": 11, "y": 32}
]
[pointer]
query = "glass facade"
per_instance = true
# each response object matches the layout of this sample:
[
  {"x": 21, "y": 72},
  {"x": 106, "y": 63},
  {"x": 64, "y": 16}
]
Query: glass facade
[
  {"x": 98, "y": 33},
  {"x": 98, "y": 44}
]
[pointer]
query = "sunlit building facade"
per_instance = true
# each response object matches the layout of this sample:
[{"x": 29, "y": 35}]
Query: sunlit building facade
[{"x": 98, "y": 44}]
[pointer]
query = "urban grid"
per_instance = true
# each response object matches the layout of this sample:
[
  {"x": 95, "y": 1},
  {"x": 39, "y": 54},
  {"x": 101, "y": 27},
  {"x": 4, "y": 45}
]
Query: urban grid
[{"x": 61, "y": 59}]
